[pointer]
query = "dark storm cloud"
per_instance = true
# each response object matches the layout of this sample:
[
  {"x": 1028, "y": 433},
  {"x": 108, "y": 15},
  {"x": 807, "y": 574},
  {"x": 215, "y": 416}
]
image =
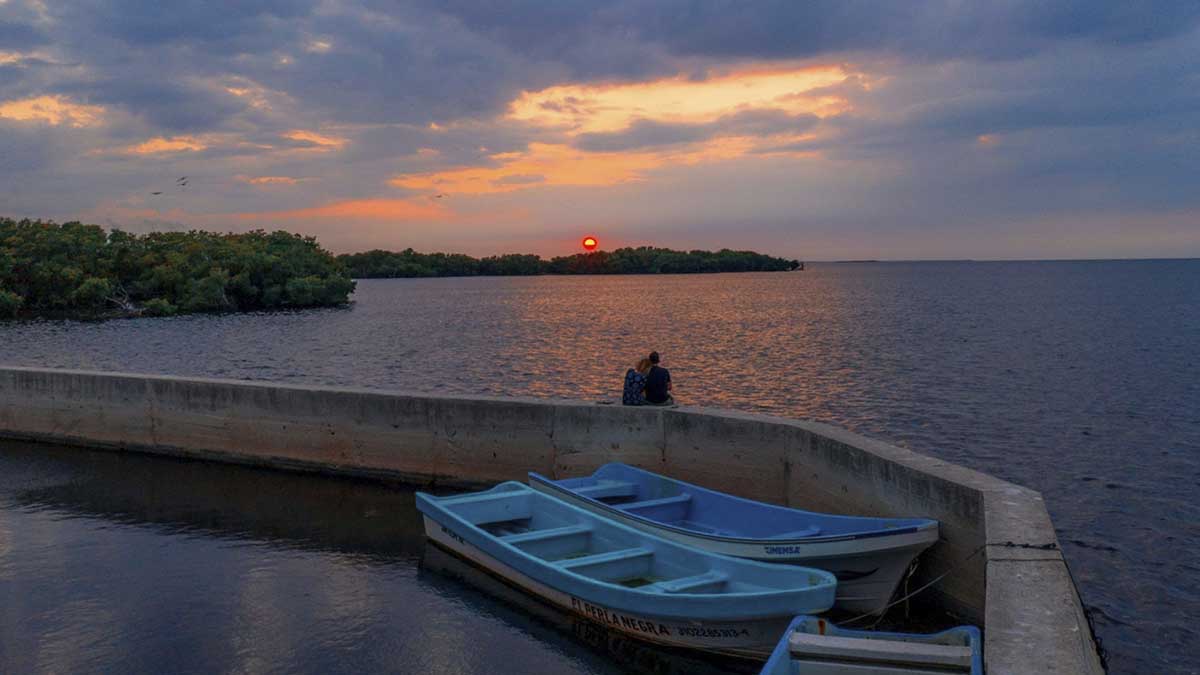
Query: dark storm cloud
[
  {"x": 778, "y": 29},
  {"x": 14, "y": 35},
  {"x": 583, "y": 39},
  {"x": 166, "y": 105},
  {"x": 25, "y": 150},
  {"x": 934, "y": 29},
  {"x": 143, "y": 24}
]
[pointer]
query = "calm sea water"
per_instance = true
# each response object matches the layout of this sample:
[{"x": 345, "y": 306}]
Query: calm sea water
[{"x": 1079, "y": 379}]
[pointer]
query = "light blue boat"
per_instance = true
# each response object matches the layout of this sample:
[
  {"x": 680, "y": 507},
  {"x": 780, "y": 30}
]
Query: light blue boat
[
  {"x": 631, "y": 581},
  {"x": 813, "y": 646},
  {"x": 869, "y": 556}
]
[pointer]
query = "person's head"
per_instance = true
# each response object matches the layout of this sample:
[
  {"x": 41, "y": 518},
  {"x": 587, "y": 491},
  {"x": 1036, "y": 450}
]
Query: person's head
[
  {"x": 643, "y": 365},
  {"x": 654, "y": 358}
]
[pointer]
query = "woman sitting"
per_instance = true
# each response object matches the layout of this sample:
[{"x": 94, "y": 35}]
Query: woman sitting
[{"x": 635, "y": 384}]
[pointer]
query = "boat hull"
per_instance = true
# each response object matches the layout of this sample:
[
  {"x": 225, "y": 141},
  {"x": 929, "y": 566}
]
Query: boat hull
[
  {"x": 751, "y": 638},
  {"x": 868, "y": 569}
]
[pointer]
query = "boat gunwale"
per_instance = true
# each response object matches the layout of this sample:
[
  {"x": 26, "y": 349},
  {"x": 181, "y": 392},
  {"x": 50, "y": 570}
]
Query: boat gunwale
[{"x": 930, "y": 525}]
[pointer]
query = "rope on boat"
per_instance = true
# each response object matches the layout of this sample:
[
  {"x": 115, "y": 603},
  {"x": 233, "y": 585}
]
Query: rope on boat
[
  {"x": 906, "y": 596},
  {"x": 1101, "y": 652}
]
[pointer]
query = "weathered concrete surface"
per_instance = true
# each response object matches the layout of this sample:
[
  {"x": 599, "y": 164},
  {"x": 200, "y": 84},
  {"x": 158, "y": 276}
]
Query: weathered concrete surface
[{"x": 998, "y": 549}]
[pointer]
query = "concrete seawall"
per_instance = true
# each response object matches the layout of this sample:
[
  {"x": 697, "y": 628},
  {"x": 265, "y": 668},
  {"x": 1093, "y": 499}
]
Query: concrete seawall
[{"x": 998, "y": 544}]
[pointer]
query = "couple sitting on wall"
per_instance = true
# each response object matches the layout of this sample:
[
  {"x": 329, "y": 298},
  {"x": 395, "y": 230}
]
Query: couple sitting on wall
[{"x": 647, "y": 383}]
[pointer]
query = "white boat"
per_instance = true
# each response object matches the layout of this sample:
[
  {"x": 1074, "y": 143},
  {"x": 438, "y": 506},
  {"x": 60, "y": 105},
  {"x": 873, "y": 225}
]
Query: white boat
[
  {"x": 634, "y": 582},
  {"x": 869, "y": 556},
  {"x": 813, "y": 646}
]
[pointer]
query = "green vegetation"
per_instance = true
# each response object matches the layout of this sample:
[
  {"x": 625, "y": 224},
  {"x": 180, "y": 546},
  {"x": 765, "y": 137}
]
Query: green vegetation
[
  {"x": 643, "y": 260},
  {"x": 74, "y": 269}
]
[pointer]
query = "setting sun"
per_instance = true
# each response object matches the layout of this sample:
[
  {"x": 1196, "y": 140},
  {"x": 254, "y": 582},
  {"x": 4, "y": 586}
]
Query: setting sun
[{"x": 590, "y": 243}]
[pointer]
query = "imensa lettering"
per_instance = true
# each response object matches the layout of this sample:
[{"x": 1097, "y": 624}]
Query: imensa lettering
[
  {"x": 454, "y": 536},
  {"x": 613, "y": 619},
  {"x": 783, "y": 550}
]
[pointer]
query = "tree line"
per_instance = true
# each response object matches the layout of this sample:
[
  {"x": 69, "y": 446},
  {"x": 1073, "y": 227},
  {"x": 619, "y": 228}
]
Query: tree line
[
  {"x": 642, "y": 260},
  {"x": 73, "y": 269}
]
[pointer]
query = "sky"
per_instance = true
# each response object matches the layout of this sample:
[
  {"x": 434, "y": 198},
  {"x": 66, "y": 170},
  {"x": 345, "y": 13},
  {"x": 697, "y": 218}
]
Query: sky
[{"x": 840, "y": 129}]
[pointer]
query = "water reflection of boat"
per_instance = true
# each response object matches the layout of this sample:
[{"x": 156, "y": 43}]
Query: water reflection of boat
[
  {"x": 633, "y": 655},
  {"x": 868, "y": 555},
  {"x": 636, "y": 583}
]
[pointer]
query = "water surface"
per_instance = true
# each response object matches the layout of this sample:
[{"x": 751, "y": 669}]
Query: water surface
[
  {"x": 128, "y": 563},
  {"x": 1078, "y": 379}
]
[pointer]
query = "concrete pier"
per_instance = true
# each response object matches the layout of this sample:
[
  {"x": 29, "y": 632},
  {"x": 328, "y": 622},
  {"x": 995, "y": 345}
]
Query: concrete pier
[{"x": 1005, "y": 571}]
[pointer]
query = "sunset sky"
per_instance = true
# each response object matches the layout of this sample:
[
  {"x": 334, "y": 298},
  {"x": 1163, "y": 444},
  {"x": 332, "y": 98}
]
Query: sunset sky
[{"x": 817, "y": 130}]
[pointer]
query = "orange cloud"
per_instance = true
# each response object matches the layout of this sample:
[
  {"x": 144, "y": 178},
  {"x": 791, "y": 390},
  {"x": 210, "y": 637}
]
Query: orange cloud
[
  {"x": 269, "y": 180},
  {"x": 358, "y": 209},
  {"x": 555, "y": 164},
  {"x": 252, "y": 93},
  {"x": 612, "y": 107},
  {"x": 545, "y": 164},
  {"x": 162, "y": 145},
  {"x": 576, "y": 109},
  {"x": 54, "y": 110},
  {"x": 318, "y": 141}
]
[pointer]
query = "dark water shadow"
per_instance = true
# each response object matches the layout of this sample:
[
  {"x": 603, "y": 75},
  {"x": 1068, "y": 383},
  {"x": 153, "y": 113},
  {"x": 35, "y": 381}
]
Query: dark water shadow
[
  {"x": 495, "y": 597},
  {"x": 367, "y": 520}
]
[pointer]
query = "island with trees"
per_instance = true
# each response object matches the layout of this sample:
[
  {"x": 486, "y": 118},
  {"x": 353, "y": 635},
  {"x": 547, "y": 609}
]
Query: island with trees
[
  {"x": 83, "y": 271},
  {"x": 74, "y": 270},
  {"x": 642, "y": 260}
]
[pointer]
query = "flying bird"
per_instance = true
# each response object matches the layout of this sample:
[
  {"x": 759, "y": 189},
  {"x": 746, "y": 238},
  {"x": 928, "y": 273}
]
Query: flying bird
[
  {"x": 156, "y": 193},
  {"x": 181, "y": 180}
]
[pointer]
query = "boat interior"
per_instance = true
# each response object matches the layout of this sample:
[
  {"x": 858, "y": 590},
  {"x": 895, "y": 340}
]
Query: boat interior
[
  {"x": 678, "y": 504},
  {"x": 814, "y": 645},
  {"x": 574, "y": 540}
]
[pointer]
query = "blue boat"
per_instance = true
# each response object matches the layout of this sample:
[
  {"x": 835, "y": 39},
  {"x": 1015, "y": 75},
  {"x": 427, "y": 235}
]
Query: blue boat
[
  {"x": 869, "y": 556},
  {"x": 813, "y": 646},
  {"x": 631, "y": 581}
]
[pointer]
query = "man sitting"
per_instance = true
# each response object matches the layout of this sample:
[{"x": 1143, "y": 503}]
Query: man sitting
[{"x": 658, "y": 383}]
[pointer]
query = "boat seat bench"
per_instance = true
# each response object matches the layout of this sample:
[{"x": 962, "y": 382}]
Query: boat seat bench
[
  {"x": 650, "y": 503},
  {"x": 548, "y": 533},
  {"x": 711, "y": 581},
  {"x": 485, "y": 508},
  {"x": 661, "y": 509},
  {"x": 553, "y": 542},
  {"x": 611, "y": 565},
  {"x": 606, "y": 557},
  {"x": 829, "y": 648},
  {"x": 605, "y": 489}
]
